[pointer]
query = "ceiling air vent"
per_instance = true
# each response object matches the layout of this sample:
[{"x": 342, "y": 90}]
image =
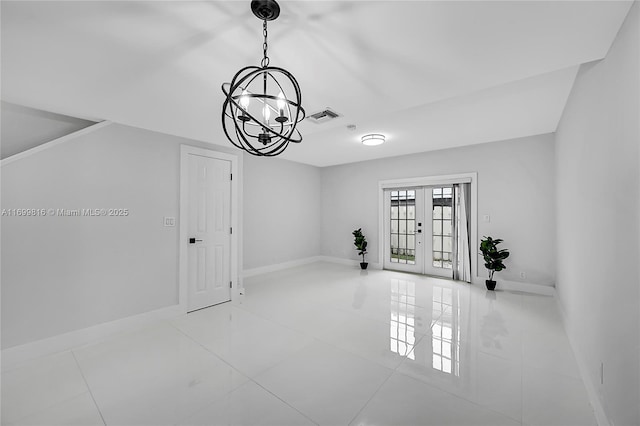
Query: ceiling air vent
[{"x": 323, "y": 116}]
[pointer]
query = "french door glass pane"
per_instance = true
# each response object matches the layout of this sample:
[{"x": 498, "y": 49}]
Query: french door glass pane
[
  {"x": 402, "y": 226},
  {"x": 446, "y": 227},
  {"x": 446, "y": 211},
  {"x": 437, "y": 243},
  {"x": 437, "y": 212},
  {"x": 437, "y": 227},
  {"x": 411, "y": 243},
  {"x": 446, "y": 244},
  {"x": 442, "y": 198}
]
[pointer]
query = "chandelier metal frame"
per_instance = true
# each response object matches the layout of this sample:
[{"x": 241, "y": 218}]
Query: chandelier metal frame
[{"x": 244, "y": 128}]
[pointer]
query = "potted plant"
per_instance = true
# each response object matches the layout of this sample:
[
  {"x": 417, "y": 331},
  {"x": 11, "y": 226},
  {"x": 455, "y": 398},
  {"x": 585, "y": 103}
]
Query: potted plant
[
  {"x": 361, "y": 245},
  {"x": 492, "y": 258}
]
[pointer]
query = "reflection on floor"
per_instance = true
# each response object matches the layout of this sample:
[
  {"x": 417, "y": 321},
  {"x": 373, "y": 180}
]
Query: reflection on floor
[{"x": 321, "y": 344}]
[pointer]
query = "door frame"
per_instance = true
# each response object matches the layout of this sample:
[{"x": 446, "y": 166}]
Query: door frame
[
  {"x": 471, "y": 177},
  {"x": 183, "y": 270}
]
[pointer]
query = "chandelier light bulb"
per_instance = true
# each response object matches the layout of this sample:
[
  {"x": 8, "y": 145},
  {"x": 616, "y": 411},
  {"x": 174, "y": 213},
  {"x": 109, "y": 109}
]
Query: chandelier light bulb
[
  {"x": 266, "y": 113},
  {"x": 244, "y": 100},
  {"x": 280, "y": 102}
]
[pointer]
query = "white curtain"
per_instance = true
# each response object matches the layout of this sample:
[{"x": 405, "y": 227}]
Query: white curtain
[{"x": 462, "y": 252}]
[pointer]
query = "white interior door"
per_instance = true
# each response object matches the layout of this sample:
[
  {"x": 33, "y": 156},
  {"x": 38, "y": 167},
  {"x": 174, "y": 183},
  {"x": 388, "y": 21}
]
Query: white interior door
[
  {"x": 209, "y": 230},
  {"x": 419, "y": 230}
]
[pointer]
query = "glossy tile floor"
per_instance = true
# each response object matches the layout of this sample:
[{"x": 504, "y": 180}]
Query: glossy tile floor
[{"x": 321, "y": 344}]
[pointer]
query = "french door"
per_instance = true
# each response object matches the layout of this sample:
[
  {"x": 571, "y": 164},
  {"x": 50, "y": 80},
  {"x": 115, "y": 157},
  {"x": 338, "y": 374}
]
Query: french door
[{"x": 419, "y": 230}]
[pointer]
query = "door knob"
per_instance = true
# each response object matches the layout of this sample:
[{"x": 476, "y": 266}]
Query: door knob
[{"x": 193, "y": 240}]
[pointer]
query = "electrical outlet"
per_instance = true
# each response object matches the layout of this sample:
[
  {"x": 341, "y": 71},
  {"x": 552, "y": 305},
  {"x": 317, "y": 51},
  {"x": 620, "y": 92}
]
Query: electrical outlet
[
  {"x": 523, "y": 275},
  {"x": 486, "y": 218},
  {"x": 169, "y": 221}
]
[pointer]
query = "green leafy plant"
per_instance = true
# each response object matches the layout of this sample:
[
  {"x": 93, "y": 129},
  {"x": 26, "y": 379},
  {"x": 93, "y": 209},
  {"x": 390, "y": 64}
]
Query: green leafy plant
[
  {"x": 493, "y": 258},
  {"x": 360, "y": 242}
]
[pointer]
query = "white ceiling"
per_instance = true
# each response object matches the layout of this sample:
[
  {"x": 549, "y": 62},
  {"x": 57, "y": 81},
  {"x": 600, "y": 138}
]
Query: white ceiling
[{"x": 428, "y": 74}]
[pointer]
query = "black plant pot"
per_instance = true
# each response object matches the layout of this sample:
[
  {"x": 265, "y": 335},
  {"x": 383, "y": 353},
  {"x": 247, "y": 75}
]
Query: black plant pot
[
  {"x": 364, "y": 265},
  {"x": 491, "y": 285}
]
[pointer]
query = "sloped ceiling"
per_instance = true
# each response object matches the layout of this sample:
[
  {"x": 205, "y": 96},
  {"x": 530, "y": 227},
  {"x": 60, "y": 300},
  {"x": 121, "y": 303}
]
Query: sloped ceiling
[
  {"x": 428, "y": 74},
  {"x": 25, "y": 128}
]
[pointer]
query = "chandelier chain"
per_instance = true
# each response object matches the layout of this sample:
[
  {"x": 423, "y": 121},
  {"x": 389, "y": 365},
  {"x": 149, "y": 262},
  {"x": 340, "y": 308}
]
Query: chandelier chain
[{"x": 265, "y": 58}]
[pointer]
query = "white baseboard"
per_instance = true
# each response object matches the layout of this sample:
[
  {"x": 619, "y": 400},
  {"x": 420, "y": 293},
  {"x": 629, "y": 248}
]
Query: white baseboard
[
  {"x": 307, "y": 260},
  {"x": 279, "y": 266},
  {"x": 590, "y": 386},
  {"x": 348, "y": 262},
  {"x": 12, "y": 357},
  {"x": 543, "y": 290}
]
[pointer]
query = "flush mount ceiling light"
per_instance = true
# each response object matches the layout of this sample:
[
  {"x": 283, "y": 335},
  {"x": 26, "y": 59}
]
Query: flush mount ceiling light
[
  {"x": 373, "y": 139},
  {"x": 263, "y": 104}
]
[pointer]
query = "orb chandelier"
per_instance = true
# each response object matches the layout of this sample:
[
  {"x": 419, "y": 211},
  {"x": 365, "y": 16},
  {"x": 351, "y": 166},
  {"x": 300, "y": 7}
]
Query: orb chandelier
[{"x": 263, "y": 104}]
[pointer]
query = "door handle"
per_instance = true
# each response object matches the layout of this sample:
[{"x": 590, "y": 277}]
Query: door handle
[
  {"x": 193, "y": 241},
  {"x": 419, "y": 231}
]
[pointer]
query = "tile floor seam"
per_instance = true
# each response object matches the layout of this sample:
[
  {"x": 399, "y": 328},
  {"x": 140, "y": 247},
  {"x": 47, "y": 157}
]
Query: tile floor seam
[
  {"x": 224, "y": 361},
  {"x": 262, "y": 317},
  {"x": 461, "y": 397},
  {"x": 370, "y": 398},
  {"x": 431, "y": 385},
  {"x": 393, "y": 371},
  {"x": 21, "y": 364},
  {"x": 422, "y": 335},
  {"x": 89, "y": 388},
  {"x": 285, "y": 402},
  {"x": 313, "y": 340},
  {"x": 350, "y": 353},
  {"x": 386, "y": 322},
  {"x": 235, "y": 368},
  {"x": 220, "y": 398},
  {"x": 48, "y": 407}
]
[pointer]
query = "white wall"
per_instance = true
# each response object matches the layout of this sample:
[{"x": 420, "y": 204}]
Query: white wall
[
  {"x": 515, "y": 187},
  {"x": 61, "y": 274},
  {"x": 597, "y": 168},
  {"x": 281, "y": 211}
]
